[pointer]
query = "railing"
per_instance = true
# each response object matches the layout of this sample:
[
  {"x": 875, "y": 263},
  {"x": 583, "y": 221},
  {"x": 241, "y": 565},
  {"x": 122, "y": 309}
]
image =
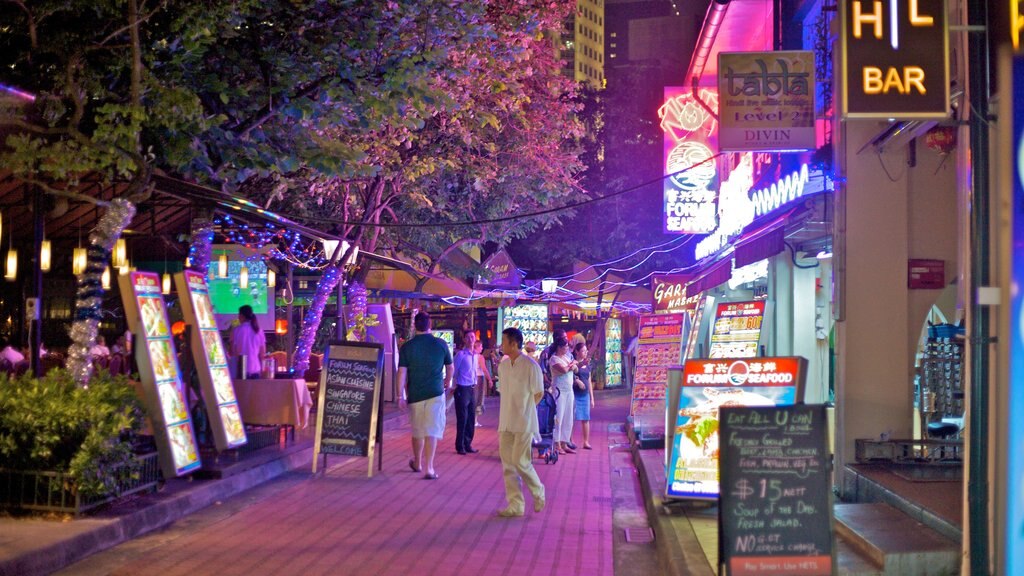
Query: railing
[
  {"x": 47, "y": 491},
  {"x": 938, "y": 452}
]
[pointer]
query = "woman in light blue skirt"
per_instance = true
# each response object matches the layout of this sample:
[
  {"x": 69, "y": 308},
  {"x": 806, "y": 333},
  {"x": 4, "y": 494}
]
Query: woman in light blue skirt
[{"x": 582, "y": 391}]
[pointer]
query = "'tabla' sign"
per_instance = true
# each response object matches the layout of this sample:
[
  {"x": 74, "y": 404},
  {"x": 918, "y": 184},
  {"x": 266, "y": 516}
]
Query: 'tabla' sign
[{"x": 895, "y": 58}]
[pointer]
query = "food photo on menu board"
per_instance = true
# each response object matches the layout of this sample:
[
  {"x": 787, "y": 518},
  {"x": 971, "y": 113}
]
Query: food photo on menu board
[
  {"x": 154, "y": 321},
  {"x": 204, "y": 311},
  {"x": 233, "y": 423},
  {"x": 214, "y": 351},
  {"x": 172, "y": 402},
  {"x": 222, "y": 384},
  {"x": 165, "y": 364},
  {"x": 709, "y": 385},
  {"x": 182, "y": 446}
]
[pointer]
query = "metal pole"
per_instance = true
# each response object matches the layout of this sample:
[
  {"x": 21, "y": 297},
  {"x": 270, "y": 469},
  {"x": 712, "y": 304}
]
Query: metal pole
[
  {"x": 978, "y": 485},
  {"x": 290, "y": 307},
  {"x": 36, "y": 323}
]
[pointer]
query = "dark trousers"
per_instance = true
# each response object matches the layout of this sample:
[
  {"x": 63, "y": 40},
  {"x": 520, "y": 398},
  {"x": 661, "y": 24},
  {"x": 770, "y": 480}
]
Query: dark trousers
[{"x": 465, "y": 418}]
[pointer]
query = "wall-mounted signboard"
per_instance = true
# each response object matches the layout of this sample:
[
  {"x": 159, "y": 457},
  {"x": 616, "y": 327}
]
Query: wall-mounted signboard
[
  {"x": 668, "y": 294},
  {"x": 706, "y": 386},
  {"x": 690, "y": 143},
  {"x": 895, "y": 59},
  {"x": 504, "y": 273},
  {"x": 162, "y": 384},
  {"x": 531, "y": 319},
  {"x": 766, "y": 101},
  {"x": 775, "y": 510},
  {"x": 211, "y": 361}
]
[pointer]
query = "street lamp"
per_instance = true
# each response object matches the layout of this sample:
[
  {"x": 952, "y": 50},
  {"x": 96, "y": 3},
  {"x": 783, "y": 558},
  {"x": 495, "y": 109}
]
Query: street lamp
[
  {"x": 549, "y": 286},
  {"x": 243, "y": 277}
]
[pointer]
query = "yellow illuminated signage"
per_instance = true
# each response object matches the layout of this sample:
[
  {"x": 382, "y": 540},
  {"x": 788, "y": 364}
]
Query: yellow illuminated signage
[{"x": 895, "y": 58}]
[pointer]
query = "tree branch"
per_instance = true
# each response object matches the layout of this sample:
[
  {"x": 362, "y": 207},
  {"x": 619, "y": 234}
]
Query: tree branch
[{"x": 63, "y": 193}]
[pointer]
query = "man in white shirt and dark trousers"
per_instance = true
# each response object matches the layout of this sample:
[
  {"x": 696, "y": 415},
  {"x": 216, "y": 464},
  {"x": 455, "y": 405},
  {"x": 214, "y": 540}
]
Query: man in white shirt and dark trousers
[
  {"x": 522, "y": 387},
  {"x": 465, "y": 406}
]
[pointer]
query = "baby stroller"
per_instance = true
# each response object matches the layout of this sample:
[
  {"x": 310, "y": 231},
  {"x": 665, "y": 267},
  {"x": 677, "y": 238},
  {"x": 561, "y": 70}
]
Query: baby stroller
[{"x": 546, "y": 418}]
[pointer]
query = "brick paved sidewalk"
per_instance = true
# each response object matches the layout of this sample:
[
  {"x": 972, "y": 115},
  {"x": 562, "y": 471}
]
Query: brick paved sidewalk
[{"x": 397, "y": 523}]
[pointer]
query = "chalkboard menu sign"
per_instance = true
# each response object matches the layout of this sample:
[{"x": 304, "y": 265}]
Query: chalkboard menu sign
[
  {"x": 775, "y": 509},
  {"x": 349, "y": 401}
]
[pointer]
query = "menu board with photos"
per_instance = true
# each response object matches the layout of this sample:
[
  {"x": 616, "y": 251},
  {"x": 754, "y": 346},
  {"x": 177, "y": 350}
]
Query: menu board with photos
[
  {"x": 347, "y": 422},
  {"x": 449, "y": 338},
  {"x": 211, "y": 361},
  {"x": 531, "y": 319},
  {"x": 708, "y": 385},
  {"x": 736, "y": 332},
  {"x": 659, "y": 346},
  {"x": 775, "y": 511},
  {"x": 613, "y": 353},
  {"x": 160, "y": 374},
  {"x": 696, "y": 326}
]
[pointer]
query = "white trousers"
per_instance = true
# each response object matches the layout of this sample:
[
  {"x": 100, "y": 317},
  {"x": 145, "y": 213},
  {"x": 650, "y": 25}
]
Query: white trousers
[
  {"x": 564, "y": 414},
  {"x": 516, "y": 462}
]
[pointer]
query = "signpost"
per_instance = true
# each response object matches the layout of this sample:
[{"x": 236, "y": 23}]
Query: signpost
[
  {"x": 706, "y": 386},
  {"x": 162, "y": 385},
  {"x": 767, "y": 101},
  {"x": 349, "y": 419},
  {"x": 895, "y": 59},
  {"x": 211, "y": 361},
  {"x": 775, "y": 510}
]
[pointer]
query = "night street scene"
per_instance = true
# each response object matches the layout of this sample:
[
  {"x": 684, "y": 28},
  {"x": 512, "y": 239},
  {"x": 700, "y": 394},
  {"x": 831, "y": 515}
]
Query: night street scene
[{"x": 512, "y": 287}]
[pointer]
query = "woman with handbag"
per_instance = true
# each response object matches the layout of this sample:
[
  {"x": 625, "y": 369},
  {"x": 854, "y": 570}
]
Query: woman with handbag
[{"x": 582, "y": 391}]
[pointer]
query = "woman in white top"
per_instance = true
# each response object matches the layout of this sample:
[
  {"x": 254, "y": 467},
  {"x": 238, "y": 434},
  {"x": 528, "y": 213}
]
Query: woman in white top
[
  {"x": 100, "y": 347},
  {"x": 248, "y": 341},
  {"x": 562, "y": 367}
]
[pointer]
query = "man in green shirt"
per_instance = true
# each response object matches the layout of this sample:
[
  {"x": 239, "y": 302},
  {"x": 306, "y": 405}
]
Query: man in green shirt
[{"x": 424, "y": 374}]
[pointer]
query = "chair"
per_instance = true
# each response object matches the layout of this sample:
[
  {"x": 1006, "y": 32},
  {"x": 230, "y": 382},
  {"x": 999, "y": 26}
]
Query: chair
[
  {"x": 51, "y": 361},
  {"x": 21, "y": 367},
  {"x": 102, "y": 361},
  {"x": 117, "y": 364},
  {"x": 6, "y": 367}
]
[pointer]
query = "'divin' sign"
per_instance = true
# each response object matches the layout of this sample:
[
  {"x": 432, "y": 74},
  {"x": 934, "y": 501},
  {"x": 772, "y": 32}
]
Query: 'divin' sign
[{"x": 895, "y": 58}]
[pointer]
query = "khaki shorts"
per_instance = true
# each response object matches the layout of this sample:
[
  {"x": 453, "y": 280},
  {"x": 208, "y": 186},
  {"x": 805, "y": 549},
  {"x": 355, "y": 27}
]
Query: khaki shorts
[{"x": 427, "y": 418}]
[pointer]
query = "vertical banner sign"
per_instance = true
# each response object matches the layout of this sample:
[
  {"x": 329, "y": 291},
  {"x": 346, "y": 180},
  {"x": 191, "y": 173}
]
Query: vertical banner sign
[
  {"x": 767, "y": 101},
  {"x": 737, "y": 329},
  {"x": 659, "y": 346},
  {"x": 349, "y": 401},
  {"x": 690, "y": 144},
  {"x": 895, "y": 59},
  {"x": 211, "y": 361},
  {"x": 159, "y": 372},
  {"x": 613, "y": 353},
  {"x": 706, "y": 386},
  {"x": 775, "y": 512},
  {"x": 696, "y": 331},
  {"x": 1014, "y": 529}
]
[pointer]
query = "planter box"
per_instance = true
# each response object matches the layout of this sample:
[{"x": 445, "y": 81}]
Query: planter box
[{"x": 53, "y": 491}]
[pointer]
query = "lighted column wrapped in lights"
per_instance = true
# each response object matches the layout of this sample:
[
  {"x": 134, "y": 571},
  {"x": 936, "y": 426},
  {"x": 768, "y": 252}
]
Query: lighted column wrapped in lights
[
  {"x": 311, "y": 322},
  {"x": 356, "y": 299},
  {"x": 199, "y": 252},
  {"x": 89, "y": 297}
]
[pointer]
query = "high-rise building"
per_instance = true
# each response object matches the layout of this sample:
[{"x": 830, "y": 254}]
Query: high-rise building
[{"x": 588, "y": 43}]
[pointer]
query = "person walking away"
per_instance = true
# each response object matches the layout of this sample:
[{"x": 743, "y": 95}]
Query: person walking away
[
  {"x": 522, "y": 387},
  {"x": 465, "y": 406},
  {"x": 424, "y": 374},
  {"x": 483, "y": 378},
  {"x": 562, "y": 368},
  {"x": 583, "y": 391},
  {"x": 248, "y": 341}
]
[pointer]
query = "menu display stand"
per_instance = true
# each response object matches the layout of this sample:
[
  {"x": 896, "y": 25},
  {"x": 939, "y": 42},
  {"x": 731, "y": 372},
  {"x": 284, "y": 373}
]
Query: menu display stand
[{"x": 349, "y": 420}]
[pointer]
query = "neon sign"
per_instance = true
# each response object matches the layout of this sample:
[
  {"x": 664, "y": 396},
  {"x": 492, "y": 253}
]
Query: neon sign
[
  {"x": 739, "y": 211},
  {"x": 690, "y": 132}
]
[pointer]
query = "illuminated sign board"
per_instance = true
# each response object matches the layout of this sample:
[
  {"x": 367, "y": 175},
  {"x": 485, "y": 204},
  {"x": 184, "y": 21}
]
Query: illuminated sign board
[
  {"x": 162, "y": 384},
  {"x": 504, "y": 273},
  {"x": 690, "y": 141},
  {"x": 1014, "y": 520},
  {"x": 737, "y": 329},
  {"x": 766, "y": 101},
  {"x": 895, "y": 58},
  {"x": 706, "y": 386},
  {"x": 211, "y": 361},
  {"x": 660, "y": 345},
  {"x": 669, "y": 294},
  {"x": 739, "y": 211},
  {"x": 748, "y": 273}
]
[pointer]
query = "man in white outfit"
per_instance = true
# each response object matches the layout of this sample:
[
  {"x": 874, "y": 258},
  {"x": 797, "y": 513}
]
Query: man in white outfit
[{"x": 522, "y": 387}]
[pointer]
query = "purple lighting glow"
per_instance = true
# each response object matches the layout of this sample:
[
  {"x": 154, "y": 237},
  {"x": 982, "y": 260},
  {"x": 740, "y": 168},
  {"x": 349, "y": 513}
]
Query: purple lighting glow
[{"x": 19, "y": 93}]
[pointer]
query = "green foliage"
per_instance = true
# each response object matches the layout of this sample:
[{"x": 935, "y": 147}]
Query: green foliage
[{"x": 51, "y": 424}]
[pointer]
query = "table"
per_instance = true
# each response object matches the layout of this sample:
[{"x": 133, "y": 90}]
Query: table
[{"x": 282, "y": 401}]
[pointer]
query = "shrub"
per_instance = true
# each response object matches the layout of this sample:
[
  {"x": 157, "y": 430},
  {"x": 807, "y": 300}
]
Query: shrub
[{"x": 51, "y": 424}]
